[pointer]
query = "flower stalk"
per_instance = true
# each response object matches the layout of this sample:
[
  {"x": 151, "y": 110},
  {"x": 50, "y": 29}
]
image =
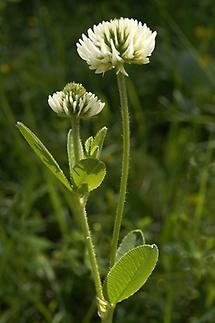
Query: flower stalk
[
  {"x": 90, "y": 248},
  {"x": 125, "y": 165},
  {"x": 81, "y": 207}
]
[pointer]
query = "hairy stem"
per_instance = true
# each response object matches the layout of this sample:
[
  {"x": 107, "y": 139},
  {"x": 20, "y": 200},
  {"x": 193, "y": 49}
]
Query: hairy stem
[
  {"x": 80, "y": 204},
  {"x": 109, "y": 316},
  {"x": 90, "y": 249},
  {"x": 125, "y": 165}
]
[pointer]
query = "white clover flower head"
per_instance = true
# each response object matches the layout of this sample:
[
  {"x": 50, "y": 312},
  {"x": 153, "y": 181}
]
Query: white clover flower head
[
  {"x": 111, "y": 44},
  {"x": 74, "y": 100}
]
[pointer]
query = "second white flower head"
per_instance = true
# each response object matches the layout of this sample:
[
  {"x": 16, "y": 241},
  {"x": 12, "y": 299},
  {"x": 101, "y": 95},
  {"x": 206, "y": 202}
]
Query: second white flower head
[
  {"x": 113, "y": 43},
  {"x": 74, "y": 100}
]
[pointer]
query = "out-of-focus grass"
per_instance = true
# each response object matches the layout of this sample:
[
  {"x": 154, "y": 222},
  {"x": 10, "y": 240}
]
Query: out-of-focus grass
[{"x": 44, "y": 272}]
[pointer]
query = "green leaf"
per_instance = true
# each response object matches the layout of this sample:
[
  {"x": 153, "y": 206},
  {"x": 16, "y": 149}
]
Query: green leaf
[
  {"x": 99, "y": 139},
  {"x": 70, "y": 150},
  {"x": 130, "y": 273},
  {"x": 94, "y": 152},
  {"x": 43, "y": 153},
  {"x": 133, "y": 239},
  {"x": 88, "y": 174},
  {"x": 88, "y": 145},
  {"x": 81, "y": 149},
  {"x": 93, "y": 146}
]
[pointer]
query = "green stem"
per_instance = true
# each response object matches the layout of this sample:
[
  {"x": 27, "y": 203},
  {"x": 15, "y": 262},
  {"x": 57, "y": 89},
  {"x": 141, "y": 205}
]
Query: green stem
[
  {"x": 125, "y": 165},
  {"x": 80, "y": 203},
  {"x": 76, "y": 138},
  {"x": 90, "y": 248},
  {"x": 109, "y": 316}
]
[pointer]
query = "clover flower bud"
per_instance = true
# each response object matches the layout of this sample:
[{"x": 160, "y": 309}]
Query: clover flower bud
[
  {"x": 111, "y": 44},
  {"x": 74, "y": 100}
]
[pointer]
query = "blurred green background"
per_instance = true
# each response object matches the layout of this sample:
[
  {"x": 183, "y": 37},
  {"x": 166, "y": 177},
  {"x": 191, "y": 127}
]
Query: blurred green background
[{"x": 44, "y": 271}]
